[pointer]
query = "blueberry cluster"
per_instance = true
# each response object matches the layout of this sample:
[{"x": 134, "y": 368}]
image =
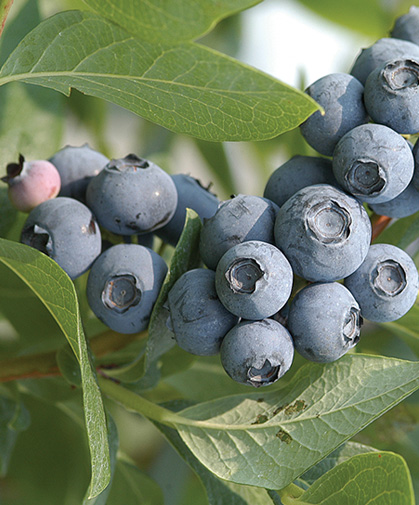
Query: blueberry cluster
[
  {"x": 293, "y": 269},
  {"x": 79, "y": 198}
]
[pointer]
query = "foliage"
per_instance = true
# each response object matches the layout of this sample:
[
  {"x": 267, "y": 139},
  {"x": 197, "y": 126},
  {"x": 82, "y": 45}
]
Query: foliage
[{"x": 69, "y": 386}]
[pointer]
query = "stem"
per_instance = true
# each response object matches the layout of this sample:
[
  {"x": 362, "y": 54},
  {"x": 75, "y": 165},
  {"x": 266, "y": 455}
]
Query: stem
[
  {"x": 5, "y": 6},
  {"x": 379, "y": 224},
  {"x": 137, "y": 403},
  {"x": 290, "y": 495},
  {"x": 45, "y": 365}
]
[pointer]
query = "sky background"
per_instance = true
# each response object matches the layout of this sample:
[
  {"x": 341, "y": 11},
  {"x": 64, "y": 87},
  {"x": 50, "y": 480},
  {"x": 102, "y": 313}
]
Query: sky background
[{"x": 283, "y": 39}]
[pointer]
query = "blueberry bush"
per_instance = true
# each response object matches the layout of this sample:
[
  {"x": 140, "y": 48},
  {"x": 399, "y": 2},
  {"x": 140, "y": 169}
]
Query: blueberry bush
[{"x": 93, "y": 412}]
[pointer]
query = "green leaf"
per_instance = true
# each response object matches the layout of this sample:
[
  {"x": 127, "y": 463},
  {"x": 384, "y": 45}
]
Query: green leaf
[
  {"x": 378, "y": 478},
  {"x": 56, "y": 290},
  {"x": 407, "y": 328},
  {"x": 270, "y": 439},
  {"x": 186, "y": 88},
  {"x": 133, "y": 487},
  {"x": 14, "y": 417},
  {"x": 113, "y": 442},
  {"x": 370, "y": 17},
  {"x": 20, "y": 105},
  {"x": 218, "y": 491},
  {"x": 185, "y": 257},
  {"x": 169, "y": 20},
  {"x": 338, "y": 456},
  {"x": 8, "y": 214}
]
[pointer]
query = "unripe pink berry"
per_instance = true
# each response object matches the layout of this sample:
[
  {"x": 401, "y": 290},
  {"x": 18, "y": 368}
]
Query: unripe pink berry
[{"x": 31, "y": 183}]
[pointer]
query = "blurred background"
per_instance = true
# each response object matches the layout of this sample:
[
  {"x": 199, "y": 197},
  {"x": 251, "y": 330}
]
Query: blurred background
[{"x": 294, "y": 41}]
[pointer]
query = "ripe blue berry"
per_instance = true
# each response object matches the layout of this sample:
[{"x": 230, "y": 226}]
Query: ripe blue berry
[
  {"x": 381, "y": 51},
  {"x": 374, "y": 163},
  {"x": 406, "y": 27},
  {"x": 123, "y": 285},
  {"x": 341, "y": 96},
  {"x": 197, "y": 317},
  {"x": 243, "y": 218},
  {"x": 297, "y": 173},
  {"x": 76, "y": 166},
  {"x": 31, "y": 183},
  {"x": 132, "y": 195},
  {"x": 392, "y": 95},
  {"x": 386, "y": 284},
  {"x": 192, "y": 195},
  {"x": 254, "y": 280},
  {"x": 65, "y": 230},
  {"x": 324, "y": 233},
  {"x": 257, "y": 353},
  {"x": 324, "y": 321},
  {"x": 405, "y": 204}
]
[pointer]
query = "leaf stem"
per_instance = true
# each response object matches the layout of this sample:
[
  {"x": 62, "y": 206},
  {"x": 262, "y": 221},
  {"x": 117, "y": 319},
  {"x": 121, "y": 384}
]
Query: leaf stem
[
  {"x": 133, "y": 401},
  {"x": 289, "y": 495}
]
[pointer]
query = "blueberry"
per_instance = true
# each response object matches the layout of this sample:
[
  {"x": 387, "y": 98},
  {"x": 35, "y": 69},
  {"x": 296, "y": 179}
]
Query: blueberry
[
  {"x": 253, "y": 280},
  {"x": 65, "y": 230},
  {"x": 341, "y": 96},
  {"x": 197, "y": 317},
  {"x": 324, "y": 233},
  {"x": 386, "y": 284},
  {"x": 373, "y": 162},
  {"x": 31, "y": 183},
  {"x": 192, "y": 195},
  {"x": 123, "y": 285},
  {"x": 324, "y": 321},
  {"x": 76, "y": 166},
  {"x": 392, "y": 95},
  {"x": 381, "y": 51},
  {"x": 405, "y": 204},
  {"x": 406, "y": 27},
  {"x": 257, "y": 353},
  {"x": 132, "y": 195},
  {"x": 242, "y": 218},
  {"x": 297, "y": 173}
]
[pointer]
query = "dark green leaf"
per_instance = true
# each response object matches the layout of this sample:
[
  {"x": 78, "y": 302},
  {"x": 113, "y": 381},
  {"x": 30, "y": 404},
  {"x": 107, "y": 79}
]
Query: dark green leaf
[
  {"x": 133, "y": 487},
  {"x": 169, "y": 20},
  {"x": 8, "y": 214},
  {"x": 322, "y": 407},
  {"x": 376, "y": 477},
  {"x": 186, "y": 88},
  {"x": 55, "y": 289},
  {"x": 14, "y": 417},
  {"x": 338, "y": 456},
  {"x": 185, "y": 257}
]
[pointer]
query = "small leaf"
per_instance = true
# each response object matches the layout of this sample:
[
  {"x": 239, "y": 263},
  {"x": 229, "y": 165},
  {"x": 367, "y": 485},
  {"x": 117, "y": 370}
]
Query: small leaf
[
  {"x": 56, "y": 290},
  {"x": 185, "y": 257},
  {"x": 171, "y": 20},
  {"x": 321, "y": 408},
  {"x": 186, "y": 88},
  {"x": 377, "y": 477}
]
